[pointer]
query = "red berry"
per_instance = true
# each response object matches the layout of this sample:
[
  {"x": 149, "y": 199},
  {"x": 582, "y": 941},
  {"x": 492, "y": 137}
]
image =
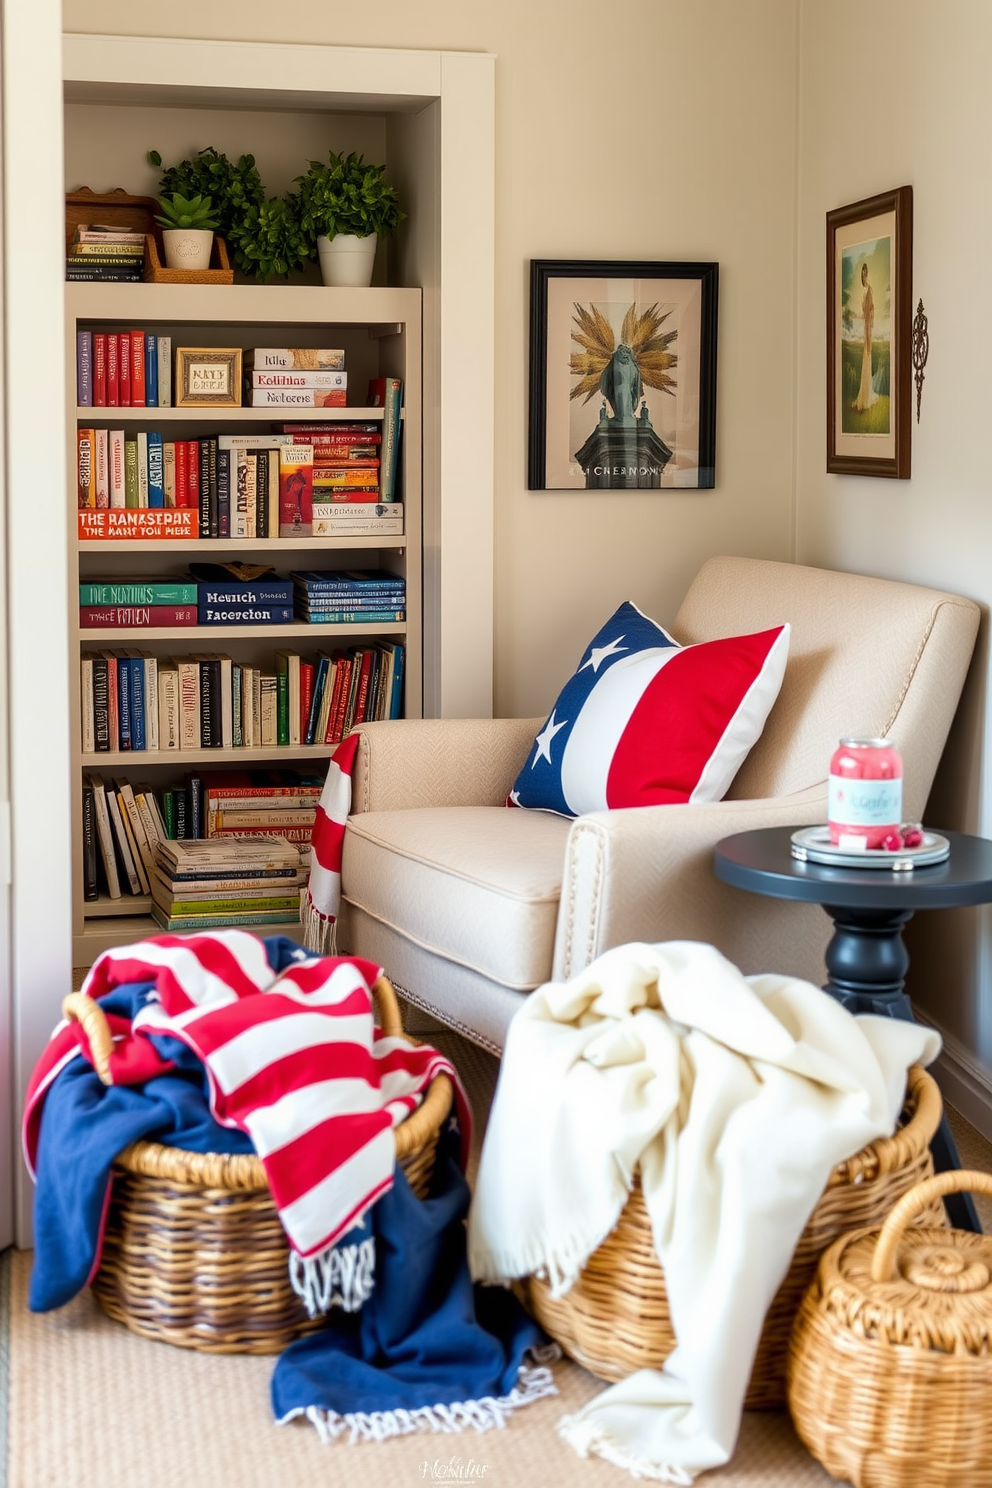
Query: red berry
[
  {"x": 912, "y": 835},
  {"x": 892, "y": 842}
]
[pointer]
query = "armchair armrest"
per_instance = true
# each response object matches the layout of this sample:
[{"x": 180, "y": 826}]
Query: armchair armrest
[
  {"x": 647, "y": 875},
  {"x": 415, "y": 762}
]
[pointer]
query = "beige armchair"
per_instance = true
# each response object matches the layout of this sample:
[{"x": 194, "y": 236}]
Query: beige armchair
[{"x": 469, "y": 905}]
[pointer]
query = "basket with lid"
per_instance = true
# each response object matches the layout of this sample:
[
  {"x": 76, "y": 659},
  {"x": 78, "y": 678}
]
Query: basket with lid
[
  {"x": 194, "y": 1253},
  {"x": 615, "y": 1318},
  {"x": 890, "y": 1363}
]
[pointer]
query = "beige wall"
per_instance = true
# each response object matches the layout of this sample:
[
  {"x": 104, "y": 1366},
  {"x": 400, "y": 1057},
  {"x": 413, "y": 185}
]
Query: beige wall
[
  {"x": 895, "y": 92},
  {"x": 661, "y": 130}
]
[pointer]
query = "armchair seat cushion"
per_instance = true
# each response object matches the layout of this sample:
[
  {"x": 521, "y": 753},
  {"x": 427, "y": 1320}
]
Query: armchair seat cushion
[{"x": 475, "y": 885}]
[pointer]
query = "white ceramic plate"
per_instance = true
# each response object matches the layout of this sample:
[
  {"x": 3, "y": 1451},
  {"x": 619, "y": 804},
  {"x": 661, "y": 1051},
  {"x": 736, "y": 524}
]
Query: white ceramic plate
[{"x": 813, "y": 845}]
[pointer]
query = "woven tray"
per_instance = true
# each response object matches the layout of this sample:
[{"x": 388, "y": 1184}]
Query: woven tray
[
  {"x": 615, "y": 1320},
  {"x": 193, "y": 1252},
  {"x": 890, "y": 1365}
]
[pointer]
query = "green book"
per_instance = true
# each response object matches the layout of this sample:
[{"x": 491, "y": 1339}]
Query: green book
[
  {"x": 198, "y": 908},
  {"x": 169, "y": 814},
  {"x": 131, "y": 473},
  {"x": 135, "y": 592},
  {"x": 217, "y": 922},
  {"x": 282, "y": 707}
]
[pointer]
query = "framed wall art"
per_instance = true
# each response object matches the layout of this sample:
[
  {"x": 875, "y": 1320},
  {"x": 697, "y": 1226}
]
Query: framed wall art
[
  {"x": 208, "y": 376},
  {"x": 622, "y": 375},
  {"x": 869, "y": 335}
]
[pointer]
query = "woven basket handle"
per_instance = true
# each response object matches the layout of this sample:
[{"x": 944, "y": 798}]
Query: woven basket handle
[
  {"x": 79, "y": 1008},
  {"x": 883, "y": 1261}
]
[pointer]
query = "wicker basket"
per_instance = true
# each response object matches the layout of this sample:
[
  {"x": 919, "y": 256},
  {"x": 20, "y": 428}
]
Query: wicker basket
[
  {"x": 194, "y": 1253},
  {"x": 890, "y": 1365},
  {"x": 614, "y": 1319}
]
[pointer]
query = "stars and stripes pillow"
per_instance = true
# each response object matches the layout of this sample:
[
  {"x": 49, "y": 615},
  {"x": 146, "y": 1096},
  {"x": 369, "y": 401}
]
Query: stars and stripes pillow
[{"x": 647, "y": 722}]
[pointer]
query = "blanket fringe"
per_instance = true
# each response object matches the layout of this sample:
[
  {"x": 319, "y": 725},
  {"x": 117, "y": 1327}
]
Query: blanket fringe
[
  {"x": 589, "y": 1440},
  {"x": 560, "y": 1265},
  {"x": 488, "y": 1413},
  {"x": 343, "y": 1276},
  {"x": 320, "y": 932}
]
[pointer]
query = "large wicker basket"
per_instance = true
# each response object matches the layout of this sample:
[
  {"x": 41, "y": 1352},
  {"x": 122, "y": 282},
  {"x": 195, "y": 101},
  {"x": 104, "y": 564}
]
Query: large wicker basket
[
  {"x": 890, "y": 1365},
  {"x": 193, "y": 1252},
  {"x": 614, "y": 1319}
]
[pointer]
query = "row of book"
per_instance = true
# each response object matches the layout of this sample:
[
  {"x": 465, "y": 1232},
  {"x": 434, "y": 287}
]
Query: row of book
[
  {"x": 105, "y": 254},
  {"x": 133, "y": 701},
  {"x": 139, "y": 841},
  {"x": 224, "y": 597},
  {"x": 205, "y": 885},
  {"x": 288, "y": 483},
  {"x": 123, "y": 369}
]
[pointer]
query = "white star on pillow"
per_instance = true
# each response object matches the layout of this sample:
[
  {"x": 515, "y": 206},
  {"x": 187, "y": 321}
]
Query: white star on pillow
[
  {"x": 598, "y": 654},
  {"x": 544, "y": 739}
]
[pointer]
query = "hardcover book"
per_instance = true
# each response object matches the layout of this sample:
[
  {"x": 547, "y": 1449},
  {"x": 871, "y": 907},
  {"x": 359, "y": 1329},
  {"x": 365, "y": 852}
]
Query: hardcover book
[
  {"x": 296, "y": 490},
  {"x": 96, "y": 526}
]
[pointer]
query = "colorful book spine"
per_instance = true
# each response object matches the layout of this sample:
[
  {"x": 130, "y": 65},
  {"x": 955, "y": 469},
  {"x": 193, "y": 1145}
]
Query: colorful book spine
[
  {"x": 298, "y": 358},
  {"x": 355, "y": 617},
  {"x": 85, "y": 469},
  {"x": 156, "y": 478},
  {"x": 165, "y": 371},
  {"x": 124, "y": 525},
  {"x": 99, "y": 369},
  {"x": 102, "y": 458},
  {"x": 169, "y": 472},
  {"x": 296, "y": 490},
  {"x": 124, "y": 368},
  {"x": 151, "y": 369},
  {"x": 135, "y": 617},
  {"x": 142, "y": 443},
  {"x": 113, "y": 372},
  {"x": 84, "y": 369},
  {"x": 131, "y": 493},
  {"x": 139, "y": 592},
  {"x": 118, "y": 492},
  {"x": 285, "y": 378},
  {"x": 137, "y": 369},
  {"x": 387, "y": 393},
  {"x": 298, "y": 398}
]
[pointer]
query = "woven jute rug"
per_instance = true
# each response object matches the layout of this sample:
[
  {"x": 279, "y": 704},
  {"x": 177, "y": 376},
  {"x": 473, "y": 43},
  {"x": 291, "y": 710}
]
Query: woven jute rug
[{"x": 91, "y": 1405}]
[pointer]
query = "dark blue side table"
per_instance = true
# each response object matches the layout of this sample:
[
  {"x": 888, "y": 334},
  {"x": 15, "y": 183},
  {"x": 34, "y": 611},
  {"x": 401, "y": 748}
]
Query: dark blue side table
[{"x": 866, "y": 959}]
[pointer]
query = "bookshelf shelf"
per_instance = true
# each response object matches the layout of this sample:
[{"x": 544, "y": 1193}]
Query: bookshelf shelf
[
  {"x": 216, "y": 633},
  {"x": 380, "y": 331}
]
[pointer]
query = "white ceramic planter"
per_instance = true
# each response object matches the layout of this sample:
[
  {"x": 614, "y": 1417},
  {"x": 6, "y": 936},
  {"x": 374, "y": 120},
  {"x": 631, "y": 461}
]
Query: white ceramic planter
[
  {"x": 187, "y": 247},
  {"x": 346, "y": 260}
]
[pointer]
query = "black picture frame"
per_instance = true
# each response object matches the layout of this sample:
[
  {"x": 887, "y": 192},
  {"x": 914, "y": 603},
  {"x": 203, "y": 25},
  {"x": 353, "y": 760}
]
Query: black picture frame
[
  {"x": 572, "y": 316},
  {"x": 870, "y": 355}
]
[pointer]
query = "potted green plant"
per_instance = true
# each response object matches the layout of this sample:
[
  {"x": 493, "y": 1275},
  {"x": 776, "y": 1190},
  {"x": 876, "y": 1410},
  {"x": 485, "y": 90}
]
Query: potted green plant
[
  {"x": 188, "y": 228},
  {"x": 345, "y": 206}
]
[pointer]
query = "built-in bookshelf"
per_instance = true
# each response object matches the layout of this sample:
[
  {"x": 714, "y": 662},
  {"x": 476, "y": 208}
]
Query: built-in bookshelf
[{"x": 380, "y": 332}]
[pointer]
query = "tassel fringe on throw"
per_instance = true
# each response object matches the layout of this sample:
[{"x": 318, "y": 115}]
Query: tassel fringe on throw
[{"x": 341, "y": 1277}]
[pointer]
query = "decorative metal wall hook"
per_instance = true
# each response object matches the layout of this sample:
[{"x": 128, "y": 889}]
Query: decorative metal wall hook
[{"x": 921, "y": 350}]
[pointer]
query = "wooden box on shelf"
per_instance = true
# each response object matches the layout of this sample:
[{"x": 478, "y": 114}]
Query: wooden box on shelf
[
  {"x": 114, "y": 208},
  {"x": 219, "y": 272}
]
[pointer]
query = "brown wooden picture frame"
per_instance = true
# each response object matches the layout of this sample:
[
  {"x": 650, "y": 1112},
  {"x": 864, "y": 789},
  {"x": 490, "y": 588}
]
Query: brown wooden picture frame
[
  {"x": 224, "y": 364},
  {"x": 869, "y": 336}
]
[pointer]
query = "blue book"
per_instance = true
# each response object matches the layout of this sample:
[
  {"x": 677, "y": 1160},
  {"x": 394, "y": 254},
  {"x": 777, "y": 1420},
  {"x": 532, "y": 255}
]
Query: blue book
[
  {"x": 396, "y": 701},
  {"x": 257, "y": 614},
  {"x": 151, "y": 371},
  {"x": 319, "y": 683},
  {"x": 123, "y": 703},
  {"x": 136, "y": 687},
  {"x": 156, "y": 473}
]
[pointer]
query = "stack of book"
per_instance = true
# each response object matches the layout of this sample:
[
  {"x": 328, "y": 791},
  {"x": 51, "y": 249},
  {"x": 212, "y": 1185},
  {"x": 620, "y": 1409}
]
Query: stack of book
[
  {"x": 254, "y": 880},
  {"x": 295, "y": 377},
  {"x": 321, "y": 701},
  {"x": 123, "y": 369},
  {"x": 105, "y": 254},
  {"x": 262, "y": 803},
  {"x": 121, "y": 826},
  {"x": 145, "y": 471},
  {"x": 349, "y": 596}
]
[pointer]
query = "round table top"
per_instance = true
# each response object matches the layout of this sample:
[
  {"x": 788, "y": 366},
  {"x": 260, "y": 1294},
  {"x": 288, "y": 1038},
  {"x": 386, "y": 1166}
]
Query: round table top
[{"x": 762, "y": 862}]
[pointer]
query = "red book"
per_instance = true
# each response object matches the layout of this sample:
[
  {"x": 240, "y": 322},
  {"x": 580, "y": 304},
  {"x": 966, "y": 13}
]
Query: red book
[
  {"x": 193, "y": 473},
  {"x": 182, "y": 474},
  {"x": 99, "y": 369},
  {"x": 363, "y": 686},
  {"x": 137, "y": 369},
  {"x": 131, "y": 617},
  {"x": 306, "y": 696},
  {"x": 113, "y": 373},
  {"x": 339, "y": 699},
  {"x": 124, "y": 369}
]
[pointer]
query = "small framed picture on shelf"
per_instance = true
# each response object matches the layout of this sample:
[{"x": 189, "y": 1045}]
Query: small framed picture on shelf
[
  {"x": 208, "y": 376},
  {"x": 622, "y": 375},
  {"x": 869, "y": 335}
]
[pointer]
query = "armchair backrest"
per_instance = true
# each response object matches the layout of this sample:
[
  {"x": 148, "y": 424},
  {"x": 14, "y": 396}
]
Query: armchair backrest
[{"x": 867, "y": 657}]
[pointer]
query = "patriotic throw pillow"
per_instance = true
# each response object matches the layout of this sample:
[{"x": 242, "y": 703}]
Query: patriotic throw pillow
[{"x": 647, "y": 722}]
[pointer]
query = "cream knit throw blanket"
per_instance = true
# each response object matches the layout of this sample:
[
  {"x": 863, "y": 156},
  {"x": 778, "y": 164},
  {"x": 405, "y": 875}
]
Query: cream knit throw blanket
[{"x": 735, "y": 1097}]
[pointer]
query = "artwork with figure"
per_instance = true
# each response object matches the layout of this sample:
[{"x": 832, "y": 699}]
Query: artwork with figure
[
  {"x": 623, "y": 450},
  {"x": 866, "y": 310},
  {"x": 623, "y": 376}
]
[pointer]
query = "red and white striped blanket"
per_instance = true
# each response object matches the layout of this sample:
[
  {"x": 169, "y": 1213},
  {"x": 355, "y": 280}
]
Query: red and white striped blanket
[
  {"x": 321, "y": 900},
  {"x": 293, "y": 1058}
]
